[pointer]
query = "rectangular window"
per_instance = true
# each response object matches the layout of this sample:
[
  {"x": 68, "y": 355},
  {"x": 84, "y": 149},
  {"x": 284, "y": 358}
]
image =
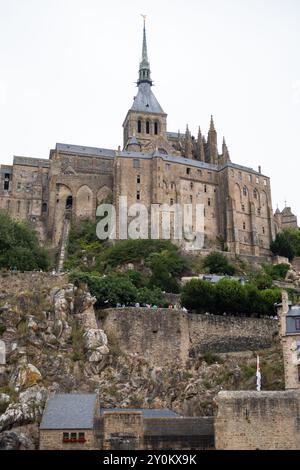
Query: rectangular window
[
  {"x": 73, "y": 435},
  {"x": 205, "y": 188},
  {"x": 66, "y": 435},
  {"x": 138, "y": 195},
  {"x": 19, "y": 186},
  {"x": 209, "y": 201},
  {"x": 243, "y": 207},
  {"x": 257, "y": 180},
  {"x": 297, "y": 321},
  {"x": 265, "y": 182},
  {"x": 136, "y": 163},
  {"x": 168, "y": 166},
  {"x": 188, "y": 171},
  {"x": 6, "y": 185},
  {"x": 138, "y": 179},
  {"x": 81, "y": 437},
  {"x": 250, "y": 178}
]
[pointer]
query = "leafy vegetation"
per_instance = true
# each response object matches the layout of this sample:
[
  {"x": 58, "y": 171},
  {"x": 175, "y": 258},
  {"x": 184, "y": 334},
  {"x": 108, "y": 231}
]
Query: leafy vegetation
[
  {"x": 217, "y": 263},
  {"x": 229, "y": 296},
  {"x": 19, "y": 246},
  {"x": 287, "y": 243}
]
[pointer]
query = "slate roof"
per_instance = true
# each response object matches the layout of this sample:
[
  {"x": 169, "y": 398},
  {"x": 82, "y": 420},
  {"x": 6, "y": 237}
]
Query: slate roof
[
  {"x": 82, "y": 150},
  {"x": 145, "y": 101},
  {"x": 70, "y": 411},
  {"x": 294, "y": 311},
  {"x": 147, "y": 413}
]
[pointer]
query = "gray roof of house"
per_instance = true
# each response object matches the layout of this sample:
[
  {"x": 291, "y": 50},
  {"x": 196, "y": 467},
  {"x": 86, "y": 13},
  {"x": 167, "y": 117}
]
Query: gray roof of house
[
  {"x": 145, "y": 101},
  {"x": 294, "y": 311},
  {"x": 82, "y": 150},
  {"x": 69, "y": 411},
  {"x": 147, "y": 413}
]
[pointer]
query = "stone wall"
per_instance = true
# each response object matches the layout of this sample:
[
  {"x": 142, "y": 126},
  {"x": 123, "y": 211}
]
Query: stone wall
[
  {"x": 53, "y": 440},
  {"x": 165, "y": 335},
  {"x": 258, "y": 420},
  {"x": 179, "y": 433}
]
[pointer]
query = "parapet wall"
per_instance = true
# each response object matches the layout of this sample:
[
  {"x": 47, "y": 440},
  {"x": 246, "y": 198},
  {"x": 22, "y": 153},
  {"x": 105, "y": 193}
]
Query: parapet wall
[
  {"x": 258, "y": 420},
  {"x": 163, "y": 335}
]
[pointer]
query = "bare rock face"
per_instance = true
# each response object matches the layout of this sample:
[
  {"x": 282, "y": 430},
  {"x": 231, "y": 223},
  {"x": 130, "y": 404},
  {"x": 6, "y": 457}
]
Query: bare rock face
[
  {"x": 28, "y": 409},
  {"x": 10, "y": 440},
  {"x": 25, "y": 376}
]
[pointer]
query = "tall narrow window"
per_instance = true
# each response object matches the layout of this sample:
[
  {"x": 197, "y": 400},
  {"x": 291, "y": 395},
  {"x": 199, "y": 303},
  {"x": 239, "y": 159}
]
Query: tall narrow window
[
  {"x": 28, "y": 207},
  {"x": 138, "y": 195},
  {"x": 147, "y": 127},
  {"x": 209, "y": 201},
  {"x": 263, "y": 230},
  {"x": 139, "y": 126},
  {"x": 244, "y": 226},
  {"x": 18, "y": 207},
  {"x": 188, "y": 171},
  {"x": 156, "y": 128},
  {"x": 299, "y": 373},
  {"x": 205, "y": 188},
  {"x": 138, "y": 179}
]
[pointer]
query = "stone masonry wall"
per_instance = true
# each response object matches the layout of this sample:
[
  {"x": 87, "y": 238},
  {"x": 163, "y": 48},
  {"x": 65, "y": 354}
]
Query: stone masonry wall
[
  {"x": 53, "y": 440},
  {"x": 164, "y": 335},
  {"x": 258, "y": 420}
]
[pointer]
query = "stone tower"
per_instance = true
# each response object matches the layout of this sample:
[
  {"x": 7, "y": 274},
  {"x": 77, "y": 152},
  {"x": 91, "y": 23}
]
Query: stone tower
[
  {"x": 289, "y": 317},
  {"x": 146, "y": 120}
]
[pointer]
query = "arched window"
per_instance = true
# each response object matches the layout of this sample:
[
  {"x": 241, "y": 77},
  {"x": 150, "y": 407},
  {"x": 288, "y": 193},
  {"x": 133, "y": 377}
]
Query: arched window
[
  {"x": 147, "y": 127},
  {"x": 156, "y": 128},
  {"x": 244, "y": 191},
  {"x": 139, "y": 126},
  {"x": 69, "y": 202},
  {"x": 255, "y": 195},
  {"x": 44, "y": 207}
]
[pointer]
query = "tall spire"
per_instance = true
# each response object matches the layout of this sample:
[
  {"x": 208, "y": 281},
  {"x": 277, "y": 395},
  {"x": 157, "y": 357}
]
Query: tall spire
[{"x": 144, "y": 71}]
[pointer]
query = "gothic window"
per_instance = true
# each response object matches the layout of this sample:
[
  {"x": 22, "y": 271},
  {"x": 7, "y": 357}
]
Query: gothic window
[
  {"x": 44, "y": 207},
  {"x": 244, "y": 225},
  {"x": 147, "y": 127},
  {"x": 156, "y": 128},
  {"x": 139, "y": 126},
  {"x": 244, "y": 191},
  {"x": 209, "y": 201},
  {"x": 255, "y": 195}
]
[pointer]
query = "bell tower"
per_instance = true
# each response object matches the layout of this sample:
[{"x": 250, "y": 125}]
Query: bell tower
[{"x": 145, "y": 120}]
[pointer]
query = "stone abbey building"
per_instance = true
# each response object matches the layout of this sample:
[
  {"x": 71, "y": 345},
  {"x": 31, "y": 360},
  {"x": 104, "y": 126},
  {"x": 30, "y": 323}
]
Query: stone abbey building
[{"x": 155, "y": 166}]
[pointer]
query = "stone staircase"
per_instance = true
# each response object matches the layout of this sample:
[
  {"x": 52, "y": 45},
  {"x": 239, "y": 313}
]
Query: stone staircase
[{"x": 64, "y": 241}]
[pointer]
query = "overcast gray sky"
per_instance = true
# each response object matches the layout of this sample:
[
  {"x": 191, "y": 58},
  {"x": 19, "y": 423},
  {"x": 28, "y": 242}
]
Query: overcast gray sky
[{"x": 68, "y": 67}]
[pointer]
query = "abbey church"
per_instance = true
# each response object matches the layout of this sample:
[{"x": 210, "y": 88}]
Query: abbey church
[{"x": 155, "y": 166}]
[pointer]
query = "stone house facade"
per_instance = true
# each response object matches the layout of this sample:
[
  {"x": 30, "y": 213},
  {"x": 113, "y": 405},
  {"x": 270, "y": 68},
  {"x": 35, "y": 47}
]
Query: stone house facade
[{"x": 155, "y": 166}]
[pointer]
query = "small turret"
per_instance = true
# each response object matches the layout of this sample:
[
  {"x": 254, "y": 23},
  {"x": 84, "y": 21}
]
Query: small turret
[
  {"x": 212, "y": 143},
  {"x": 225, "y": 152},
  {"x": 188, "y": 144},
  {"x": 200, "y": 147}
]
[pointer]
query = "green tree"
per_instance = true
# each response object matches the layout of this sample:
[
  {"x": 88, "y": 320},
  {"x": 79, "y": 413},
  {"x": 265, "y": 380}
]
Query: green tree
[
  {"x": 150, "y": 296},
  {"x": 19, "y": 246},
  {"x": 198, "y": 295},
  {"x": 287, "y": 243},
  {"x": 230, "y": 296},
  {"x": 217, "y": 263}
]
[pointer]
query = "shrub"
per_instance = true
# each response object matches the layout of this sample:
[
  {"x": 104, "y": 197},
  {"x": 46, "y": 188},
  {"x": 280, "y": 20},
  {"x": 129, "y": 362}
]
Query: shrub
[
  {"x": 19, "y": 246},
  {"x": 211, "y": 358},
  {"x": 229, "y": 296},
  {"x": 287, "y": 243},
  {"x": 2, "y": 329},
  {"x": 217, "y": 263},
  {"x": 261, "y": 280},
  {"x": 108, "y": 290},
  {"x": 150, "y": 296},
  {"x": 277, "y": 272},
  {"x": 198, "y": 295}
]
